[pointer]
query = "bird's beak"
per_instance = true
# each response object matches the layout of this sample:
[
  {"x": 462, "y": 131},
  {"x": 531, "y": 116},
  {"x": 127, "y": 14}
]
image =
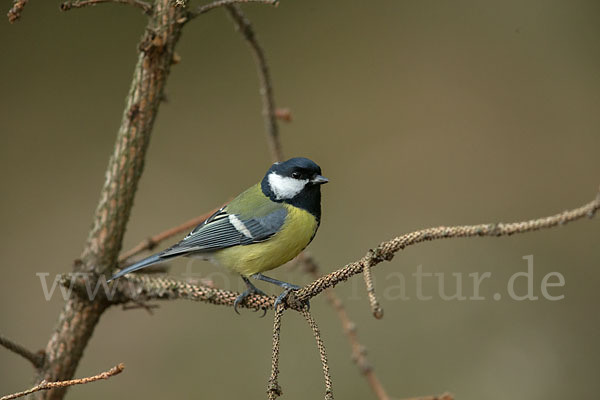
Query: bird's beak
[{"x": 319, "y": 180}]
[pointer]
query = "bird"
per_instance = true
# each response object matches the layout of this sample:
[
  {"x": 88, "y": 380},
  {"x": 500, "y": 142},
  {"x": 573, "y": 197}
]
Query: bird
[{"x": 261, "y": 229}]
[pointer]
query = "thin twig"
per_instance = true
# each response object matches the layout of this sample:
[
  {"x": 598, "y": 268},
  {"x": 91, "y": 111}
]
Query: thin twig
[
  {"x": 266, "y": 87},
  {"x": 358, "y": 350},
  {"x": 322, "y": 354},
  {"x": 349, "y": 328},
  {"x": 43, "y": 385},
  {"x": 444, "y": 396},
  {"x": 386, "y": 250},
  {"x": 273, "y": 388},
  {"x": 283, "y": 114},
  {"x": 373, "y": 302},
  {"x": 153, "y": 241},
  {"x": 220, "y": 3},
  {"x": 140, "y": 287},
  {"x": 15, "y": 11},
  {"x": 37, "y": 359},
  {"x": 67, "y": 5},
  {"x": 137, "y": 306}
]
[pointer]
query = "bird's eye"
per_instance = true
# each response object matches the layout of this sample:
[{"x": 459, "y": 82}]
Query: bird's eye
[{"x": 296, "y": 175}]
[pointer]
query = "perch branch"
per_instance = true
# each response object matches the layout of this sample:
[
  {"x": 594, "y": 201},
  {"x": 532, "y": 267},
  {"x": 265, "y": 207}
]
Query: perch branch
[
  {"x": 273, "y": 389},
  {"x": 266, "y": 87},
  {"x": 322, "y": 354},
  {"x": 37, "y": 359},
  {"x": 386, "y": 250},
  {"x": 43, "y": 385},
  {"x": 349, "y": 328},
  {"x": 15, "y": 11},
  {"x": 221, "y": 3},
  {"x": 141, "y": 288},
  {"x": 145, "y": 7}
]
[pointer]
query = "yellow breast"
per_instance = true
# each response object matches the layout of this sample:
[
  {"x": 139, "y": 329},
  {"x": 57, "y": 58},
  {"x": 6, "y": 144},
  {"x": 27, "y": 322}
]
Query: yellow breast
[{"x": 296, "y": 233}]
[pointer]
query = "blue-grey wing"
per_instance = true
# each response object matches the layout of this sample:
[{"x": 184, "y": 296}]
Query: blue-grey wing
[{"x": 224, "y": 230}]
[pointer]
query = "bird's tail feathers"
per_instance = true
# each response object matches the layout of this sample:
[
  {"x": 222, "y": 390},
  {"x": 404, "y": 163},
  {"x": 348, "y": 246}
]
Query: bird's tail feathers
[{"x": 138, "y": 265}]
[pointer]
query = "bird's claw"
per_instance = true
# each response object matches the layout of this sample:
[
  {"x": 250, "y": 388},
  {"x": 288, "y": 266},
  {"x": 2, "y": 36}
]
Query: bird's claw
[
  {"x": 289, "y": 288},
  {"x": 243, "y": 297},
  {"x": 264, "y": 312}
]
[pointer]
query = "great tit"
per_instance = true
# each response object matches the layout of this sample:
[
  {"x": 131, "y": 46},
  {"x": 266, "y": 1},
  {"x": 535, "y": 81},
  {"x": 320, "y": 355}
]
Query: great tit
[{"x": 264, "y": 227}]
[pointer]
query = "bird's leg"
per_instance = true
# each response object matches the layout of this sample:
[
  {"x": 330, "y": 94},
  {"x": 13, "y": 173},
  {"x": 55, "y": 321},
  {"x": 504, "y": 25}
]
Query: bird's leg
[
  {"x": 288, "y": 287},
  {"x": 251, "y": 289}
]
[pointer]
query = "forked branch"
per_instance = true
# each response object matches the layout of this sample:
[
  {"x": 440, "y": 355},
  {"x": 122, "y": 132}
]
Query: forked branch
[
  {"x": 79, "y": 316},
  {"x": 311, "y": 267},
  {"x": 37, "y": 359},
  {"x": 386, "y": 250},
  {"x": 140, "y": 288}
]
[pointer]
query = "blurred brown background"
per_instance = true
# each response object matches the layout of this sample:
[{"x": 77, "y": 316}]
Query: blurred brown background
[{"x": 420, "y": 113}]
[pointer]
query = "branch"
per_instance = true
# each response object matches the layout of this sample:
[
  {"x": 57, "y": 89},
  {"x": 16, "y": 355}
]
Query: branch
[
  {"x": 145, "y": 7},
  {"x": 220, "y": 3},
  {"x": 322, "y": 354},
  {"x": 444, "y": 396},
  {"x": 14, "y": 14},
  {"x": 37, "y": 359},
  {"x": 349, "y": 328},
  {"x": 43, "y": 385},
  {"x": 269, "y": 110},
  {"x": 141, "y": 288},
  {"x": 386, "y": 250},
  {"x": 80, "y": 315},
  {"x": 127, "y": 161},
  {"x": 273, "y": 389},
  {"x": 373, "y": 302}
]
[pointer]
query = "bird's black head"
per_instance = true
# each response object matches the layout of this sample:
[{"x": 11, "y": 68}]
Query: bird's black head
[{"x": 296, "y": 181}]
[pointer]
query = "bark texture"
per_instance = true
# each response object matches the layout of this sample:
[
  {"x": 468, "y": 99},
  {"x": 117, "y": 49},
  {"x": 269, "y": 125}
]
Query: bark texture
[{"x": 80, "y": 315}]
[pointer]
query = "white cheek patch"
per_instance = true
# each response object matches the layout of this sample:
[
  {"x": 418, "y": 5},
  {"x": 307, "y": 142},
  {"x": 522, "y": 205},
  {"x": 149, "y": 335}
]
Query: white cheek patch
[{"x": 285, "y": 187}]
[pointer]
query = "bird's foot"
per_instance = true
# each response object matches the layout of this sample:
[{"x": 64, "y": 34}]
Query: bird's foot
[
  {"x": 288, "y": 288},
  {"x": 242, "y": 297}
]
